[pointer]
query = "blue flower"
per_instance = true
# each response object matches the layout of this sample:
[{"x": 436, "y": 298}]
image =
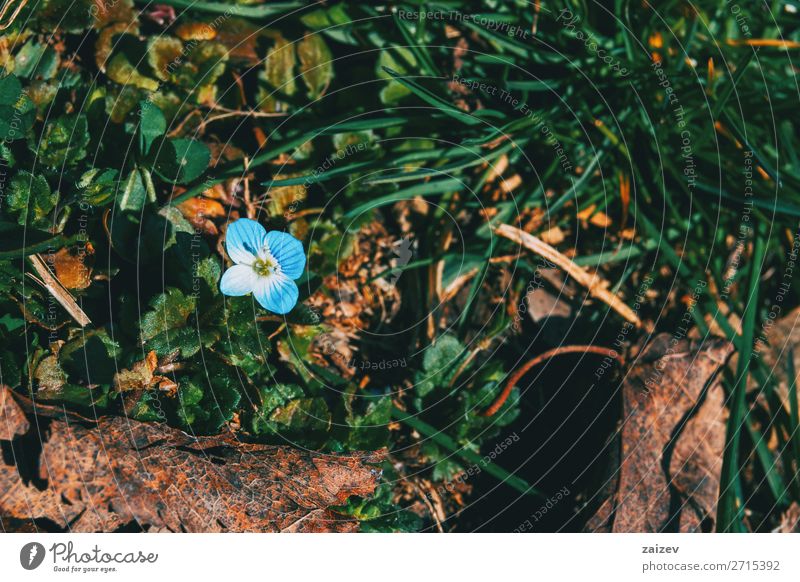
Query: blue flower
[{"x": 266, "y": 265}]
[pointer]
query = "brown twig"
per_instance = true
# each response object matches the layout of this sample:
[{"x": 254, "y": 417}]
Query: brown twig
[
  {"x": 226, "y": 113},
  {"x": 455, "y": 286},
  {"x": 517, "y": 376},
  {"x": 6, "y": 7},
  {"x": 594, "y": 283},
  {"x": 275, "y": 333},
  {"x": 58, "y": 291},
  {"x": 305, "y": 212}
]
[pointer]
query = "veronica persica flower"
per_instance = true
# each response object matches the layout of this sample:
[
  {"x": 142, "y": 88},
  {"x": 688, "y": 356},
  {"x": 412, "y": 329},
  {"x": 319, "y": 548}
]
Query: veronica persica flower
[{"x": 266, "y": 265}]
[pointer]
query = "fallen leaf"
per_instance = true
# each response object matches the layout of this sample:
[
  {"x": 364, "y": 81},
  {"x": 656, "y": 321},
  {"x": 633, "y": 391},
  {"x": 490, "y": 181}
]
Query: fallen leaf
[
  {"x": 139, "y": 377},
  {"x": 600, "y": 219},
  {"x": 120, "y": 473},
  {"x": 48, "y": 374},
  {"x": 12, "y": 419},
  {"x": 542, "y": 305},
  {"x": 73, "y": 266},
  {"x": 587, "y": 212},
  {"x": 199, "y": 210},
  {"x": 552, "y": 236},
  {"x": 782, "y": 336},
  {"x": 790, "y": 520},
  {"x": 671, "y": 440},
  {"x": 195, "y": 31}
]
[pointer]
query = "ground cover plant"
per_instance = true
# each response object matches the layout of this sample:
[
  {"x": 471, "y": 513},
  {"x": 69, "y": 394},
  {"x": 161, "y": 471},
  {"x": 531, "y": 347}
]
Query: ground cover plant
[{"x": 423, "y": 266}]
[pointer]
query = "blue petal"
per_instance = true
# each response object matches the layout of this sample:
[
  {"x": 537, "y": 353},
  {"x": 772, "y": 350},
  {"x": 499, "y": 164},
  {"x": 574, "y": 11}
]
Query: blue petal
[
  {"x": 288, "y": 251},
  {"x": 238, "y": 280},
  {"x": 243, "y": 239},
  {"x": 277, "y": 293}
]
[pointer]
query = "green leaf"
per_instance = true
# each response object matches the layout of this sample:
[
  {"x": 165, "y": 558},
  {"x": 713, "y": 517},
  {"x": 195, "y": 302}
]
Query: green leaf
[
  {"x": 182, "y": 160},
  {"x": 241, "y": 340},
  {"x": 80, "y": 396},
  {"x": 63, "y": 141},
  {"x": 36, "y": 60},
  {"x": 98, "y": 186},
  {"x": 190, "y": 395},
  {"x": 17, "y": 111},
  {"x": 10, "y": 90},
  {"x": 10, "y": 371},
  {"x": 90, "y": 358},
  {"x": 169, "y": 310},
  {"x": 133, "y": 195},
  {"x": 370, "y": 429},
  {"x": 72, "y": 16},
  {"x": 30, "y": 198},
  {"x": 147, "y": 409},
  {"x": 394, "y": 90},
  {"x": 209, "y": 270},
  {"x": 209, "y": 399},
  {"x": 164, "y": 55},
  {"x": 152, "y": 125},
  {"x": 279, "y": 74},
  {"x": 306, "y": 414},
  {"x": 286, "y": 411},
  {"x": 334, "y": 22},
  {"x": 316, "y": 64},
  {"x": 432, "y": 99},
  {"x": 439, "y": 363},
  {"x": 126, "y": 66}
]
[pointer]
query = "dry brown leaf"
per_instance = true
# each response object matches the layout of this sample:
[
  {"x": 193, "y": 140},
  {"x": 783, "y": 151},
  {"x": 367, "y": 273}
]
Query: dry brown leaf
[
  {"x": 139, "y": 377},
  {"x": 120, "y": 473},
  {"x": 553, "y": 236},
  {"x": 600, "y": 219},
  {"x": 195, "y": 31},
  {"x": 790, "y": 520},
  {"x": 13, "y": 421},
  {"x": 350, "y": 300},
  {"x": 587, "y": 212},
  {"x": 73, "y": 266},
  {"x": 671, "y": 441},
  {"x": 782, "y": 336},
  {"x": 542, "y": 304},
  {"x": 198, "y": 211}
]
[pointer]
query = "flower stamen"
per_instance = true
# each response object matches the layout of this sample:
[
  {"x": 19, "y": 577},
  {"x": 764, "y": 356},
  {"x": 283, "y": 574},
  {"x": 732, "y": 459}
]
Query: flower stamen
[{"x": 263, "y": 267}]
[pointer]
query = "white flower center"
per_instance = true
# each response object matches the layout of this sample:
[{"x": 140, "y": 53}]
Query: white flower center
[{"x": 265, "y": 264}]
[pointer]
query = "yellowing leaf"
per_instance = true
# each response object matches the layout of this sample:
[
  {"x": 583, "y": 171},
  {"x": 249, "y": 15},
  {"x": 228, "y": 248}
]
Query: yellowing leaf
[{"x": 316, "y": 66}]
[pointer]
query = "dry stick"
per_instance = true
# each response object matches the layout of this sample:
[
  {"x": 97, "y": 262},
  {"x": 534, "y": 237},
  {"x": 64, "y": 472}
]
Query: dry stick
[
  {"x": 58, "y": 291},
  {"x": 14, "y": 14},
  {"x": 517, "y": 376},
  {"x": 457, "y": 283},
  {"x": 597, "y": 286}
]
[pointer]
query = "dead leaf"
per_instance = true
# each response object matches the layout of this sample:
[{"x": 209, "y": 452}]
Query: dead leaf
[
  {"x": 241, "y": 38},
  {"x": 600, "y": 219},
  {"x": 542, "y": 304},
  {"x": 73, "y": 266},
  {"x": 671, "y": 441},
  {"x": 353, "y": 299},
  {"x": 195, "y": 31},
  {"x": 48, "y": 374},
  {"x": 790, "y": 520},
  {"x": 553, "y": 236},
  {"x": 782, "y": 335},
  {"x": 198, "y": 211},
  {"x": 12, "y": 419},
  {"x": 139, "y": 377},
  {"x": 120, "y": 473}
]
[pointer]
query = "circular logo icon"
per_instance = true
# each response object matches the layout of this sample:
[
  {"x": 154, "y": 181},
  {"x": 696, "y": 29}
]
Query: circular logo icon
[{"x": 31, "y": 555}]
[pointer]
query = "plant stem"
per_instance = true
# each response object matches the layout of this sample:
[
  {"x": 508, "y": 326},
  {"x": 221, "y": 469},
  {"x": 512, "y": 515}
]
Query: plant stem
[{"x": 444, "y": 440}]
